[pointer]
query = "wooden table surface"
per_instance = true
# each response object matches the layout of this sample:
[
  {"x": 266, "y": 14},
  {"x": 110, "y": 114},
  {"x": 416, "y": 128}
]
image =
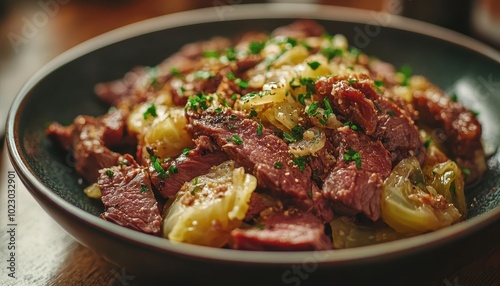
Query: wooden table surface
[{"x": 46, "y": 254}]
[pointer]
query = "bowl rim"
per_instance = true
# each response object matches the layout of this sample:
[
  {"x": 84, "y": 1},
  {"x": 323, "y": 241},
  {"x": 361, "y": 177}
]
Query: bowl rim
[{"x": 243, "y": 12}]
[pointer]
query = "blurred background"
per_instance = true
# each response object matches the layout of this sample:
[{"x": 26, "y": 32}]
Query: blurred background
[{"x": 32, "y": 32}]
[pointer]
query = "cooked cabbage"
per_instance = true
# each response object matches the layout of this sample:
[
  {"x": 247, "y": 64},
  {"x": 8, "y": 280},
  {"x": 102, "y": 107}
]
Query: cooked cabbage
[
  {"x": 409, "y": 206},
  {"x": 346, "y": 233},
  {"x": 209, "y": 207},
  {"x": 168, "y": 135}
]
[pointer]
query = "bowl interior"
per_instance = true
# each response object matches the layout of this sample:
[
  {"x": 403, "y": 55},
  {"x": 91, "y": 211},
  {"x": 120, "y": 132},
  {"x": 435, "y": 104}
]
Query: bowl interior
[{"x": 65, "y": 89}]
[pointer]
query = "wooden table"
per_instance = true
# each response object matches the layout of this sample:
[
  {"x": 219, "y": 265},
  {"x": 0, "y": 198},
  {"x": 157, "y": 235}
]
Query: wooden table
[{"x": 46, "y": 254}]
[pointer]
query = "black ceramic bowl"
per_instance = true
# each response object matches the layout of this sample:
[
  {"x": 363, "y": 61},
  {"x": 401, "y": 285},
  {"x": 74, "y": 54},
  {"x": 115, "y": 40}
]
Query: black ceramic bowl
[{"x": 64, "y": 89}]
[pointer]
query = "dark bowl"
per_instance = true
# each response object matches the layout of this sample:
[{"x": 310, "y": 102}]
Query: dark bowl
[{"x": 64, "y": 89}]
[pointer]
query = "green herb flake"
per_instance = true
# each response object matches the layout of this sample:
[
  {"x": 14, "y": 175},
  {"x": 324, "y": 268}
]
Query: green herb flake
[
  {"x": 253, "y": 113},
  {"x": 302, "y": 98},
  {"x": 278, "y": 165},
  {"x": 298, "y": 132},
  {"x": 210, "y": 54},
  {"x": 144, "y": 188},
  {"x": 309, "y": 83},
  {"x": 151, "y": 111},
  {"x": 379, "y": 83},
  {"x": 313, "y": 109},
  {"x": 427, "y": 142},
  {"x": 256, "y": 47},
  {"x": 186, "y": 151},
  {"x": 235, "y": 139},
  {"x": 351, "y": 81},
  {"x": 353, "y": 156},
  {"x": 406, "y": 71},
  {"x": 173, "y": 169},
  {"x": 310, "y": 194},
  {"x": 231, "y": 54},
  {"x": 241, "y": 83},
  {"x": 466, "y": 171},
  {"x": 259, "y": 128},
  {"x": 174, "y": 71},
  {"x": 330, "y": 52},
  {"x": 314, "y": 65},
  {"x": 454, "y": 97},
  {"x": 300, "y": 162},
  {"x": 109, "y": 173}
]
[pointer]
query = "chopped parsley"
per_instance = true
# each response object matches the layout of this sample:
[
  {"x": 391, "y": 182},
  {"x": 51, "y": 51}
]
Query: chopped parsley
[
  {"x": 278, "y": 165},
  {"x": 198, "y": 101},
  {"x": 151, "y": 111},
  {"x": 235, "y": 139},
  {"x": 300, "y": 162},
  {"x": 174, "y": 71},
  {"x": 351, "y": 156},
  {"x": 313, "y": 65},
  {"x": 253, "y": 113},
  {"x": 186, "y": 151},
  {"x": 173, "y": 169},
  {"x": 351, "y": 125},
  {"x": 241, "y": 83},
  {"x": 158, "y": 167},
  {"x": 259, "y": 128},
  {"x": 302, "y": 98},
  {"x": 231, "y": 54},
  {"x": 427, "y": 142},
  {"x": 328, "y": 109},
  {"x": 454, "y": 97},
  {"x": 330, "y": 52},
  {"x": 210, "y": 54},
  {"x": 109, "y": 173},
  {"x": 309, "y": 83},
  {"x": 466, "y": 171},
  {"x": 406, "y": 71},
  {"x": 256, "y": 47},
  {"x": 379, "y": 83},
  {"x": 351, "y": 81},
  {"x": 144, "y": 188},
  {"x": 313, "y": 109}
]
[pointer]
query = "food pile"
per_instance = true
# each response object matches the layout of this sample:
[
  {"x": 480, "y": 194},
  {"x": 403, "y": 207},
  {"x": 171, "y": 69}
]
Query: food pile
[{"x": 290, "y": 140}]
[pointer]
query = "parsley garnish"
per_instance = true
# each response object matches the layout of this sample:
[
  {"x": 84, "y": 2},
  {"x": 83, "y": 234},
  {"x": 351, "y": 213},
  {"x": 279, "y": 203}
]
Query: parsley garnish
[
  {"x": 186, "y": 151},
  {"x": 351, "y": 125},
  {"x": 302, "y": 98},
  {"x": 256, "y": 47},
  {"x": 278, "y": 165},
  {"x": 454, "y": 97},
  {"x": 236, "y": 139},
  {"x": 210, "y": 54},
  {"x": 259, "y": 128},
  {"x": 330, "y": 52},
  {"x": 298, "y": 132},
  {"x": 378, "y": 83},
  {"x": 300, "y": 162},
  {"x": 198, "y": 100},
  {"x": 241, "y": 83},
  {"x": 313, "y": 65},
  {"x": 174, "y": 71},
  {"x": 313, "y": 109},
  {"x": 406, "y": 72},
  {"x": 309, "y": 84},
  {"x": 109, "y": 173},
  {"x": 352, "y": 155},
  {"x": 144, "y": 188},
  {"x": 253, "y": 113},
  {"x": 427, "y": 142},
  {"x": 150, "y": 111},
  {"x": 231, "y": 54}
]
